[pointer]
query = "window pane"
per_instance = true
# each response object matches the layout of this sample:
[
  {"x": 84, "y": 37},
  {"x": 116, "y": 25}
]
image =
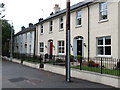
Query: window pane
[
  {"x": 61, "y": 25},
  {"x": 63, "y": 50},
  {"x": 79, "y": 14},
  {"x": 100, "y": 51},
  {"x": 100, "y": 41},
  {"x": 59, "y": 50},
  {"x": 79, "y": 21},
  {"x": 61, "y": 19},
  {"x": 108, "y": 41},
  {"x": 103, "y": 11},
  {"x": 62, "y": 43},
  {"x": 108, "y": 50}
]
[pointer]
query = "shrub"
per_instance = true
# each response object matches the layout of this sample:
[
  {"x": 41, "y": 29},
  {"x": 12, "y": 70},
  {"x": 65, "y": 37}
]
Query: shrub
[
  {"x": 59, "y": 61},
  {"x": 90, "y": 63},
  {"x": 71, "y": 58},
  {"x": 79, "y": 58}
]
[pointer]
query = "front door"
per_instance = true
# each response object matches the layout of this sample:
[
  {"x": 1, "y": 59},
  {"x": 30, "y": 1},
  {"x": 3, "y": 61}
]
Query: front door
[
  {"x": 79, "y": 47},
  {"x": 51, "y": 48}
]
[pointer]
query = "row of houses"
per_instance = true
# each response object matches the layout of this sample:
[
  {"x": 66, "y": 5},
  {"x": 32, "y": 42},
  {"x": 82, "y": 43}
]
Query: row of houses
[{"x": 95, "y": 31}]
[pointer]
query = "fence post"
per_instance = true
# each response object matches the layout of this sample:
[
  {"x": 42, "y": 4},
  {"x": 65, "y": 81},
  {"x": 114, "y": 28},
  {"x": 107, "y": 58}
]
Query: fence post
[
  {"x": 81, "y": 63},
  {"x": 101, "y": 66},
  {"x": 41, "y": 62}
]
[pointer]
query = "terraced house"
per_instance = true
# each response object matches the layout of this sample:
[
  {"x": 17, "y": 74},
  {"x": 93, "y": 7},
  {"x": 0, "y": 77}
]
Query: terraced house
[
  {"x": 95, "y": 30},
  {"x": 24, "y": 40}
]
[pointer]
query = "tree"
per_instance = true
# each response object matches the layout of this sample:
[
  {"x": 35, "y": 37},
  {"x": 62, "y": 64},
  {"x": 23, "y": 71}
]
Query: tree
[{"x": 6, "y": 34}]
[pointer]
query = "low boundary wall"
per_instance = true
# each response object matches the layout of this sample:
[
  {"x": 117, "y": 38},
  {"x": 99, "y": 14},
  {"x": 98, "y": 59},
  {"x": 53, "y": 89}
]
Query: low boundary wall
[{"x": 110, "y": 80}]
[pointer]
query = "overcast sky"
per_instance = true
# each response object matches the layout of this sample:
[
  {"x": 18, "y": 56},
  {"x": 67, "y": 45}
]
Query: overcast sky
[{"x": 23, "y": 12}]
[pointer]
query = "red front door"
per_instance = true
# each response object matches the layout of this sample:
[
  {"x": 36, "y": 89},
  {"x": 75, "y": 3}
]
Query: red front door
[{"x": 51, "y": 48}]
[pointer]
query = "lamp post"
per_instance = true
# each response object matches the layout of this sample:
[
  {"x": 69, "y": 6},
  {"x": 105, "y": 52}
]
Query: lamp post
[{"x": 11, "y": 40}]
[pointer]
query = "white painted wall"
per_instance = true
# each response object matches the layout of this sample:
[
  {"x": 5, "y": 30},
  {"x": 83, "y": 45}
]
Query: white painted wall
[
  {"x": 119, "y": 29},
  {"x": 22, "y": 40},
  {"x": 97, "y": 29}
]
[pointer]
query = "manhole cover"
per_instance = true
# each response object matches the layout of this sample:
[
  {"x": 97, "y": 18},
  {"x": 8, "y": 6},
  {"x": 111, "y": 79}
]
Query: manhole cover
[{"x": 19, "y": 79}]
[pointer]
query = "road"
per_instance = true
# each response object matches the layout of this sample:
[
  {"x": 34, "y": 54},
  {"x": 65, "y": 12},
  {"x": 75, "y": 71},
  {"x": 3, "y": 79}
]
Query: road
[{"x": 19, "y": 76}]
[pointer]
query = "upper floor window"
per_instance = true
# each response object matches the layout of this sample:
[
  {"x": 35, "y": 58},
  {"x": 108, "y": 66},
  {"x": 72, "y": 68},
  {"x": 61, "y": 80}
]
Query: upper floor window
[
  {"x": 30, "y": 35},
  {"x": 41, "y": 29},
  {"x": 26, "y": 35},
  {"x": 61, "y": 23},
  {"x": 61, "y": 47},
  {"x": 41, "y": 47},
  {"x": 103, "y": 11},
  {"x": 79, "y": 18},
  {"x": 104, "y": 46},
  {"x": 51, "y": 26}
]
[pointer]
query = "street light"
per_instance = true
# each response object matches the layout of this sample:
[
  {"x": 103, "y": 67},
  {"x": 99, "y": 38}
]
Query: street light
[{"x": 11, "y": 40}]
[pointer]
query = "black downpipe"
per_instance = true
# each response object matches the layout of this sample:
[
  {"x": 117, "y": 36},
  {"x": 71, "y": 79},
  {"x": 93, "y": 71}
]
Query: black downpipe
[
  {"x": 35, "y": 41},
  {"x": 88, "y": 32}
]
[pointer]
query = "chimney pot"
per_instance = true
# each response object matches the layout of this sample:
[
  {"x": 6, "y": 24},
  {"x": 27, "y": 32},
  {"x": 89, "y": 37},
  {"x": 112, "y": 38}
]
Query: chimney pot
[
  {"x": 40, "y": 19},
  {"x": 56, "y": 8}
]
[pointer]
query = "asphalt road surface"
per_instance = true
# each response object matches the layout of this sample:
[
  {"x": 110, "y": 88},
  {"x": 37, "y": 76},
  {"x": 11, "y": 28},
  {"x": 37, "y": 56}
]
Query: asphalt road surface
[{"x": 19, "y": 76}]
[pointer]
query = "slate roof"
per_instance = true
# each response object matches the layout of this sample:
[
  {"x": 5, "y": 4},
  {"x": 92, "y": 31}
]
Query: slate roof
[
  {"x": 32, "y": 28},
  {"x": 75, "y": 6}
]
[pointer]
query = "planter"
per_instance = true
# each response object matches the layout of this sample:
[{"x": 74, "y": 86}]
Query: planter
[{"x": 41, "y": 65}]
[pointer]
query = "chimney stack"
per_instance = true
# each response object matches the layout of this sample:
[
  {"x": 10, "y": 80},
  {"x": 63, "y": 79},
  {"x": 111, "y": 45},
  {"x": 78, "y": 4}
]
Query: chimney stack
[
  {"x": 56, "y": 8},
  {"x": 40, "y": 19},
  {"x": 22, "y": 28},
  {"x": 30, "y": 24}
]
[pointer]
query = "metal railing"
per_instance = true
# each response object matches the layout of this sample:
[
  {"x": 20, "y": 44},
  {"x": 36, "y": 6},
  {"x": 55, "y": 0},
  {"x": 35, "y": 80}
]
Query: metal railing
[{"x": 108, "y": 66}]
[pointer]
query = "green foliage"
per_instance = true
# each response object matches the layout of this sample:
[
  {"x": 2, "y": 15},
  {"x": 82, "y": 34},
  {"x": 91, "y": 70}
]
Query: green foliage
[
  {"x": 6, "y": 34},
  {"x": 78, "y": 57},
  {"x": 59, "y": 61}
]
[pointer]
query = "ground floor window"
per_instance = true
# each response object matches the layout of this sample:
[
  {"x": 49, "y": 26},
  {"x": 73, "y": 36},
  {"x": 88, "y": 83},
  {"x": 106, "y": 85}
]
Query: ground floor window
[
  {"x": 41, "y": 47},
  {"x": 104, "y": 46},
  {"x": 61, "y": 47}
]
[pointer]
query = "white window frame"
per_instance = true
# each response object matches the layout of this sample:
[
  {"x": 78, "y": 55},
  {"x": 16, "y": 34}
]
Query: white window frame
[
  {"x": 41, "y": 46},
  {"x": 78, "y": 17},
  {"x": 51, "y": 26},
  {"x": 41, "y": 29},
  {"x": 60, "y": 47},
  {"x": 61, "y": 22},
  {"x": 102, "y": 11},
  {"x": 103, "y": 47}
]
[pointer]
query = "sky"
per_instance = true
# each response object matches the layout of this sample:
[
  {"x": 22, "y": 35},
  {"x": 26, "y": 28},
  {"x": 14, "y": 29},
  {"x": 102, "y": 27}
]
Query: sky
[{"x": 23, "y": 12}]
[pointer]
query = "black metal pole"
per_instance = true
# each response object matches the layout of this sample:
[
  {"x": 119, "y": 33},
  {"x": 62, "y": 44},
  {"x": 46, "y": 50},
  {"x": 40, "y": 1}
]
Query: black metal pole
[
  {"x": 68, "y": 78},
  {"x": 101, "y": 66}
]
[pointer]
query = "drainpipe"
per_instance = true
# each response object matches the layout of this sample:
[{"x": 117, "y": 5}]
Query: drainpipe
[
  {"x": 88, "y": 32},
  {"x": 34, "y": 41}
]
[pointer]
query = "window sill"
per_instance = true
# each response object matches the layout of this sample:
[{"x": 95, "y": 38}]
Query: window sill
[
  {"x": 50, "y": 32},
  {"x": 103, "y": 56},
  {"x": 61, "y": 30},
  {"x": 101, "y": 21},
  {"x": 78, "y": 26},
  {"x": 41, "y": 33},
  {"x": 61, "y": 53}
]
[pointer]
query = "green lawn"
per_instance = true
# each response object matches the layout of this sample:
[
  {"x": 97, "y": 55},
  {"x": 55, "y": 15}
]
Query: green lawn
[{"x": 98, "y": 70}]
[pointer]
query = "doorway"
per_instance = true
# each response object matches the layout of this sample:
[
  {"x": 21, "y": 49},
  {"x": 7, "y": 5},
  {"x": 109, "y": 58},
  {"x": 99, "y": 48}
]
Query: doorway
[{"x": 78, "y": 46}]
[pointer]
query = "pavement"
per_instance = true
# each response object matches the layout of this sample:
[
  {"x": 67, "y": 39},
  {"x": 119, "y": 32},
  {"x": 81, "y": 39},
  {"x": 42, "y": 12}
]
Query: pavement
[{"x": 19, "y": 76}]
